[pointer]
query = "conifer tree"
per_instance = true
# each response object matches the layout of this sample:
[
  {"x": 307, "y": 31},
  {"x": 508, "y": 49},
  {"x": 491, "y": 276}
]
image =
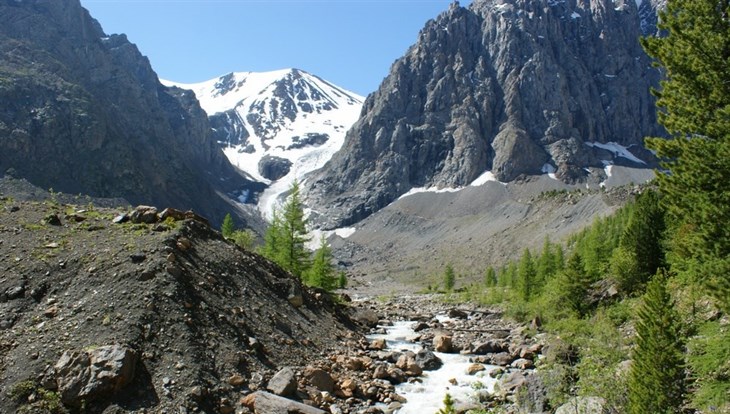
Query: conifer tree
[
  {"x": 490, "y": 277},
  {"x": 656, "y": 377},
  {"x": 643, "y": 237},
  {"x": 573, "y": 284},
  {"x": 227, "y": 228},
  {"x": 526, "y": 276},
  {"x": 322, "y": 273},
  {"x": 449, "y": 277},
  {"x": 286, "y": 238},
  {"x": 695, "y": 109}
]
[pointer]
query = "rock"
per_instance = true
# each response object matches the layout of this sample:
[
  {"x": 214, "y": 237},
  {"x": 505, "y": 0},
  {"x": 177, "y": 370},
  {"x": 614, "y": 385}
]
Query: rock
[
  {"x": 502, "y": 359},
  {"x": 144, "y": 214},
  {"x": 380, "y": 371},
  {"x": 408, "y": 364},
  {"x": 457, "y": 314},
  {"x": 15, "y": 292},
  {"x": 427, "y": 360},
  {"x": 420, "y": 326},
  {"x": 496, "y": 372},
  {"x": 377, "y": 344},
  {"x": 522, "y": 363},
  {"x": 295, "y": 297},
  {"x": 283, "y": 383},
  {"x": 137, "y": 257},
  {"x": 443, "y": 343},
  {"x": 583, "y": 405},
  {"x": 236, "y": 380},
  {"x": 52, "y": 219},
  {"x": 511, "y": 383},
  {"x": 319, "y": 379},
  {"x": 87, "y": 375},
  {"x": 121, "y": 218},
  {"x": 273, "y": 168},
  {"x": 262, "y": 402},
  {"x": 396, "y": 375},
  {"x": 172, "y": 213},
  {"x": 474, "y": 368},
  {"x": 488, "y": 347},
  {"x": 365, "y": 317},
  {"x": 51, "y": 312}
]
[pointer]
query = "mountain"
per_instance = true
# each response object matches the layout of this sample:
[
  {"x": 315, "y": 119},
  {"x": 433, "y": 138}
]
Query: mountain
[
  {"x": 515, "y": 87},
  {"x": 84, "y": 112},
  {"x": 277, "y": 126}
]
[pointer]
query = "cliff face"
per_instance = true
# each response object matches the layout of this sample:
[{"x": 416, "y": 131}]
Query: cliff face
[
  {"x": 83, "y": 112},
  {"x": 514, "y": 87}
]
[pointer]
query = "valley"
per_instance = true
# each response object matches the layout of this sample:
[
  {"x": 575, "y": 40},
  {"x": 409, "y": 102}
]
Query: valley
[{"x": 529, "y": 214}]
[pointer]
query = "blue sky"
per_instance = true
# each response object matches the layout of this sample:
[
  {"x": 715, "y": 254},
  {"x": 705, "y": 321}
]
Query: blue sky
[{"x": 351, "y": 43}]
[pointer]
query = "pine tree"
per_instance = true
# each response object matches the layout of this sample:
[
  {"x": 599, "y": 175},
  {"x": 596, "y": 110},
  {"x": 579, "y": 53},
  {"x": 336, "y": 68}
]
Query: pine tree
[
  {"x": 449, "y": 278},
  {"x": 322, "y": 273},
  {"x": 695, "y": 109},
  {"x": 449, "y": 407},
  {"x": 526, "y": 276},
  {"x": 342, "y": 280},
  {"x": 546, "y": 262},
  {"x": 656, "y": 378},
  {"x": 227, "y": 228}
]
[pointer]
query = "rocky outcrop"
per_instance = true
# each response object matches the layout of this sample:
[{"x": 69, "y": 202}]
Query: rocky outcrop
[
  {"x": 84, "y": 112},
  {"x": 503, "y": 85}
]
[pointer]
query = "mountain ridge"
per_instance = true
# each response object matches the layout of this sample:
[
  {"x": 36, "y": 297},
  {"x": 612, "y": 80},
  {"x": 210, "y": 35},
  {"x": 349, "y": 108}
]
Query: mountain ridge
[{"x": 503, "y": 86}]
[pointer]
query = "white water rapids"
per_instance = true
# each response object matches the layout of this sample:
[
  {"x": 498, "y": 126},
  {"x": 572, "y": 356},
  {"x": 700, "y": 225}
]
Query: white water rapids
[{"x": 427, "y": 396}]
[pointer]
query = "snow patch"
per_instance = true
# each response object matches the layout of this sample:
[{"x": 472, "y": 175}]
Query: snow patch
[
  {"x": 618, "y": 150},
  {"x": 434, "y": 190},
  {"x": 485, "y": 178},
  {"x": 575, "y": 15},
  {"x": 550, "y": 171}
]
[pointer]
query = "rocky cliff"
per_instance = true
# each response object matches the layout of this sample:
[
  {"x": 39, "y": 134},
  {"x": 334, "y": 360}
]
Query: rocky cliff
[
  {"x": 516, "y": 87},
  {"x": 83, "y": 112}
]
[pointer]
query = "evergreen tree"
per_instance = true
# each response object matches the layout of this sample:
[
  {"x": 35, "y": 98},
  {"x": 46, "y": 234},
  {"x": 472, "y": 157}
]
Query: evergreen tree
[
  {"x": 285, "y": 239},
  {"x": 559, "y": 257},
  {"x": 511, "y": 274},
  {"x": 449, "y": 406},
  {"x": 526, "y": 276},
  {"x": 322, "y": 273},
  {"x": 695, "y": 110},
  {"x": 643, "y": 237},
  {"x": 227, "y": 228},
  {"x": 656, "y": 377},
  {"x": 342, "y": 280},
  {"x": 449, "y": 278},
  {"x": 546, "y": 262},
  {"x": 573, "y": 285},
  {"x": 490, "y": 277}
]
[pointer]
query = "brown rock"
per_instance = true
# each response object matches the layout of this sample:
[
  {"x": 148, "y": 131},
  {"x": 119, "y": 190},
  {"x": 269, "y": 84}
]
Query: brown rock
[
  {"x": 443, "y": 343},
  {"x": 474, "y": 368},
  {"x": 236, "y": 380},
  {"x": 319, "y": 379},
  {"x": 377, "y": 344},
  {"x": 262, "y": 402}
]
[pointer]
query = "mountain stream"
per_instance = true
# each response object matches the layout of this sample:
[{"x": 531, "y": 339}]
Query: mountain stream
[{"x": 426, "y": 395}]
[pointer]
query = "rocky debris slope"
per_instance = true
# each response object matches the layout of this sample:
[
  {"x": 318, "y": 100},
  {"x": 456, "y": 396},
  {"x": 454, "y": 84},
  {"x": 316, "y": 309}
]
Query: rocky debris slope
[
  {"x": 84, "y": 112},
  {"x": 145, "y": 311},
  {"x": 516, "y": 87}
]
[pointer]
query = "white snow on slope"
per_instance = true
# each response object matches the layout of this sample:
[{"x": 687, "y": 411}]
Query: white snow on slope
[
  {"x": 486, "y": 177},
  {"x": 279, "y": 109},
  {"x": 617, "y": 150}
]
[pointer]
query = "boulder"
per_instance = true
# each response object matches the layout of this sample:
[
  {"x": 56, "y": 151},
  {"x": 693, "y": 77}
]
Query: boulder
[
  {"x": 274, "y": 168},
  {"x": 408, "y": 364},
  {"x": 87, "y": 375},
  {"x": 583, "y": 405},
  {"x": 488, "y": 347},
  {"x": 262, "y": 402},
  {"x": 377, "y": 344},
  {"x": 474, "y": 368},
  {"x": 365, "y": 317},
  {"x": 283, "y": 383},
  {"x": 427, "y": 360},
  {"x": 144, "y": 214},
  {"x": 511, "y": 383},
  {"x": 502, "y": 359},
  {"x": 443, "y": 343},
  {"x": 319, "y": 379},
  {"x": 522, "y": 363}
]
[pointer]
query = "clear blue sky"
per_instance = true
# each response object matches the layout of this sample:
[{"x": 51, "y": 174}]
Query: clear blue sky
[{"x": 351, "y": 43}]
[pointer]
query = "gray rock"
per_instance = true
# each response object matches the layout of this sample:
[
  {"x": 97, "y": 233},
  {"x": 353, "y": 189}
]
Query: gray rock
[
  {"x": 365, "y": 317},
  {"x": 427, "y": 360},
  {"x": 583, "y": 405},
  {"x": 283, "y": 383},
  {"x": 273, "y": 168},
  {"x": 144, "y": 214},
  {"x": 262, "y": 402},
  {"x": 94, "y": 373}
]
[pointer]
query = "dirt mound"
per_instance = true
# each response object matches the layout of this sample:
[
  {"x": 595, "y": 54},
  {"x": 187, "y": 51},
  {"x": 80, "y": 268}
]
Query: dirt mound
[{"x": 87, "y": 300}]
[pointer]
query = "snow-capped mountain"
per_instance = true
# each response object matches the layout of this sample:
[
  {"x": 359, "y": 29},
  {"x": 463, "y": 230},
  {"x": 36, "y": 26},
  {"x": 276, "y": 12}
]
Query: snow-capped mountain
[{"x": 277, "y": 126}]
